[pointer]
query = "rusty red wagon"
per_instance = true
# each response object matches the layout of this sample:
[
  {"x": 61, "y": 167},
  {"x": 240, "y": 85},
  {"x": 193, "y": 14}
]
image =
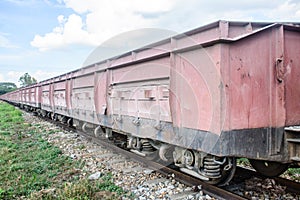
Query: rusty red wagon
[{"x": 200, "y": 99}]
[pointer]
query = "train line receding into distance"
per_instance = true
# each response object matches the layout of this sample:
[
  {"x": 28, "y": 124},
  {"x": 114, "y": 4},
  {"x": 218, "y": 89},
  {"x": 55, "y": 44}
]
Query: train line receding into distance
[{"x": 199, "y": 100}]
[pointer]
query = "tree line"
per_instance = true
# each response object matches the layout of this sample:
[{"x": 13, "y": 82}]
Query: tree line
[{"x": 24, "y": 80}]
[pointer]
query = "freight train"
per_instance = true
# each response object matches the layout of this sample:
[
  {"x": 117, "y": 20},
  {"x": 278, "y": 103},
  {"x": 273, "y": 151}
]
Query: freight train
[{"x": 199, "y": 100}]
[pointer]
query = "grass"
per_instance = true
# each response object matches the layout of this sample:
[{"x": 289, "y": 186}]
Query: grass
[
  {"x": 32, "y": 168},
  {"x": 82, "y": 189},
  {"x": 243, "y": 162},
  {"x": 293, "y": 173}
]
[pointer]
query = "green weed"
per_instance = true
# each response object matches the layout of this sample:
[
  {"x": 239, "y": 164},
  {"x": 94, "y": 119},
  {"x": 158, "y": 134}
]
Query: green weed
[
  {"x": 32, "y": 168},
  {"x": 243, "y": 162},
  {"x": 294, "y": 173}
]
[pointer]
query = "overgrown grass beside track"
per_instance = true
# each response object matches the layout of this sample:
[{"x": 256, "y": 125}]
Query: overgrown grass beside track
[{"x": 31, "y": 168}]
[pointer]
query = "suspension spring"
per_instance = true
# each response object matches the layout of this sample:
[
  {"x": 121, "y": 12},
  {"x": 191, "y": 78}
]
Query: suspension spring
[
  {"x": 211, "y": 168},
  {"x": 146, "y": 146}
]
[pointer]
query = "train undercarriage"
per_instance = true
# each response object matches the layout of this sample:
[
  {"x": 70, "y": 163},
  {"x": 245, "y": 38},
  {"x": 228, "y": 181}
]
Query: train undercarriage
[{"x": 209, "y": 168}]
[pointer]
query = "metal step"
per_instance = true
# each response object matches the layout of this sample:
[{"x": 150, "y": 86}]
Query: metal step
[
  {"x": 293, "y": 140},
  {"x": 292, "y": 128}
]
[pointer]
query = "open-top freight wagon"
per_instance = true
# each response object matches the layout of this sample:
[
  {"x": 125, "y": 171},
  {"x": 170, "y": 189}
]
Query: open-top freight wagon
[{"x": 199, "y": 99}]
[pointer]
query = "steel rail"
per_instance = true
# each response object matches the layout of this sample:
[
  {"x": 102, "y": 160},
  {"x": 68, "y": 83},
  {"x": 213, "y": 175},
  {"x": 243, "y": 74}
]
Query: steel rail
[
  {"x": 291, "y": 186},
  {"x": 211, "y": 190}
]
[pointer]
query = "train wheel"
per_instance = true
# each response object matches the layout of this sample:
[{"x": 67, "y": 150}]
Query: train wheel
[
  {"x": 268, "y": 168},
  {"x": 151, "y": 152},
  {"x": 153, "y": 156},
  {"x": 227, "y": 173}
]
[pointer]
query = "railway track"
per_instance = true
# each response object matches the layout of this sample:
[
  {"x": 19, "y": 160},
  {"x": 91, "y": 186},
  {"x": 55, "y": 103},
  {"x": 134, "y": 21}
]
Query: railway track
[
  {"x": 196, "y": 184},
  {"x": 232, "y": 191},
  {"x": 242, "y": 174},
  {"x": 211, "y": 190}
]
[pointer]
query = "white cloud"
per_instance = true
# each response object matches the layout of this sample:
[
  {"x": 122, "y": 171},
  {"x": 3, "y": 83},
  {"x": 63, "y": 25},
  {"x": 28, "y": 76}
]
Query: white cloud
[
  {"x": 9, "y": 57},
  {"x": 40, "y": 75},
  {"x": 43, "y": 75},
  {"x": 289, "y": 10},
  {"x": 95, "y": 21},
  {"x": 11, "y": 76},
  {"x": 14, "y": 74},
  {"x": 61, "y": 19},
  {"x": 69, "y": 31},
  {"x": 116, "y": 6}
]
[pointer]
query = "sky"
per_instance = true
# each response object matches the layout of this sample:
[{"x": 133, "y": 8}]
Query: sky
[{"x": 46, "y": 38}]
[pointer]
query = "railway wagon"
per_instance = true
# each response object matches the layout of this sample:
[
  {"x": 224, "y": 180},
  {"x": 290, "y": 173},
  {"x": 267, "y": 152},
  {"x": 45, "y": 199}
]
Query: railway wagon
[
  {"x": 13, "y": 97},
  {"x": 199, "y": 99},
  {"x": 29, "y": 97}
]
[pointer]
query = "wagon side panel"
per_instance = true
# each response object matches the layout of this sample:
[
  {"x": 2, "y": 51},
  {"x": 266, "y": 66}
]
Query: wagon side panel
[
  {"x": 138, "y": 100},
  {"x": 59, "y": 97},
  {"x": 196, "y": 90},
  {"x": 45, "y": 97},
  {"x": 255, "y": 99},
  {"x": 83, "y": 98},
  {"x": 292, "y": 76}
]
